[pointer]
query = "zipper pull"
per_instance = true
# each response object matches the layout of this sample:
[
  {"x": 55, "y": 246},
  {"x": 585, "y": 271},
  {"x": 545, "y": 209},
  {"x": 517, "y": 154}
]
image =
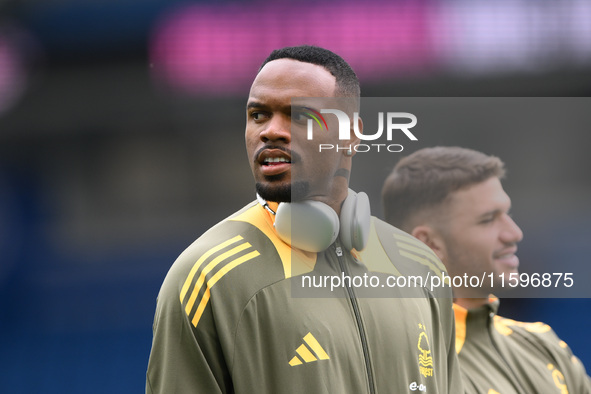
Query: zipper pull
[{"x": 339, "y": 251}]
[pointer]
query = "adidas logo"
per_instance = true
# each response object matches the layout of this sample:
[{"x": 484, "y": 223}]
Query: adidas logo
[{"x": 308, "y": 352}]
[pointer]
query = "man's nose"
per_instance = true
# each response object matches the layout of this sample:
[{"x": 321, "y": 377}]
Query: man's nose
[
  {"x": 278, "y": 128},
  {"x": 511, "y": 232}
]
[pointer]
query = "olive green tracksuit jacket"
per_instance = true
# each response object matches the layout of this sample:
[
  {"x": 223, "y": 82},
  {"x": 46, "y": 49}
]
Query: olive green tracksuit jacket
[
  {"x": 230, "y": 317},
  {"x": 504, "y": 356}
]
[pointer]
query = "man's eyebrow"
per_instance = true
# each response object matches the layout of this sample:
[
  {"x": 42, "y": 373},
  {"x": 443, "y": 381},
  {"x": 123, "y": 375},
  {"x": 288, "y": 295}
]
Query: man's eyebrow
[
  {"x": 257, "y": 104},
  {"x": 494, "y": 212},
  {"x": 303, "y": 108},
  {"x": 490, "y": 213},
  {"x": 253, "y": 104}
]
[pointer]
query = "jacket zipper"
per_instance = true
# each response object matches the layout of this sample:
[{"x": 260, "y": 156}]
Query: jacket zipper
[{"x": 361, "y": 328}]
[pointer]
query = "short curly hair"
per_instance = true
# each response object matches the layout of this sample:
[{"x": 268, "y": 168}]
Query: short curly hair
[
  {"x": 425, "y": 179},
  {"x": 347, "y": 82}
]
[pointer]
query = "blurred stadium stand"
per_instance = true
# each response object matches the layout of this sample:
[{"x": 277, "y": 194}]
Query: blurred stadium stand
[{"x": 121, "y": 141}]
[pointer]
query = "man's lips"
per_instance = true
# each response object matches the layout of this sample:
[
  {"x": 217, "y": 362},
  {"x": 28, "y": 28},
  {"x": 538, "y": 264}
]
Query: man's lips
[
  {"x": 275, "y": 167},
  {"x": 507, "y": 256},
  {"x": 273, "y": 161},
  {"x": 274, "y": 152}
]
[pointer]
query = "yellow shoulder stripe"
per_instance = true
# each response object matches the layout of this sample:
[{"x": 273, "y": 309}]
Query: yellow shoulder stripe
[
  {"x": 210, "y": 283},
  {"x": 227, "y": 260},
  {"x": 304, "y": 262},
  {"x": 503, "y": 324},
  {"x": 412, "y": 244},
  {"x": 207, "y": 269},
  {"x": 421, "y": 260},
  {"x": 204, "y": 257},
  {"x": 460, "y": 315}
]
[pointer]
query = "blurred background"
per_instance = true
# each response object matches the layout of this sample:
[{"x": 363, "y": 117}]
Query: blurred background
[{"x": 121, "y": 141}]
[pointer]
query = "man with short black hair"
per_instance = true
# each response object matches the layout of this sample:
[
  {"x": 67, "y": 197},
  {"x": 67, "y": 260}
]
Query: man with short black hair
[
  {"x": 228, "y": 319},
  {"x": 452, "y": 199}
]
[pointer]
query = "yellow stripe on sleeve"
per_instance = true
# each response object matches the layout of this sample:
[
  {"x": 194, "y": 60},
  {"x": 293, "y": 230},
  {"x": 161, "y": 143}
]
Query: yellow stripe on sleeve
[
  {"x": 421, "y": 260},
  {"x": 425, "y": 249},
  {"x": 422, "y": 252},
  {"x": 211, "y": 282},
  {"x": 204, "y": 257},
  {"x": 208, "y": 268}
]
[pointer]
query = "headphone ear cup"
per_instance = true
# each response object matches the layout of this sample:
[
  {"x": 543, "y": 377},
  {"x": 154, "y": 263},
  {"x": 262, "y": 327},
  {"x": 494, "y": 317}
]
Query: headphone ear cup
[
  {"x": 355, "y": 221},
  {"x": 308, "y": 225}
]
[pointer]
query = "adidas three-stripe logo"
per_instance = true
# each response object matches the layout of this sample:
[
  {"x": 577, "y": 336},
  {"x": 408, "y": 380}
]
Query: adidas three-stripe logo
[
  {"x": 211, "y": 267},
  {"x": 312, "y": 352}
]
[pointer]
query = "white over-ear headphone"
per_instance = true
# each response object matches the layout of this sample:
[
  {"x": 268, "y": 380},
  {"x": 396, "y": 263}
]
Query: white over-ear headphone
[{"x": 313, "y": 226}]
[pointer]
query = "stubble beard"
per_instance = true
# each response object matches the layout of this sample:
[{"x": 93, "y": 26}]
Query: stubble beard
[{"x": 291, "y": 192}]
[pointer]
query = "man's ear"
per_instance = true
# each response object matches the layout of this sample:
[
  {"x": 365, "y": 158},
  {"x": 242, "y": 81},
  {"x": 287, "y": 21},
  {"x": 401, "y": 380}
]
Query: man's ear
[
  {"x": 355, "y": 140},
  {"x": 431, "y": 238}
]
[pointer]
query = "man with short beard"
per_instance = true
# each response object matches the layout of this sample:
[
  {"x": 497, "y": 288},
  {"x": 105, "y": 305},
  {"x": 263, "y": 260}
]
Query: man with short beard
[{"x": 229, "y": 318}]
